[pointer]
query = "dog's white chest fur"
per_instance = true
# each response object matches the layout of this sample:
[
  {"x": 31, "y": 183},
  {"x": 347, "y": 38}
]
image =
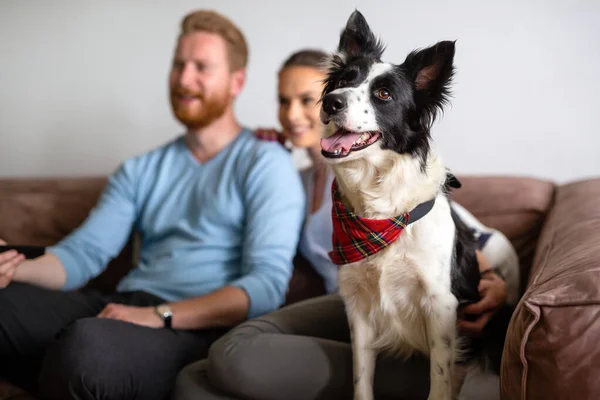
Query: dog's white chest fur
[
  {"x": 394, "y": 289},
  {"x": 400, "y": 299}
]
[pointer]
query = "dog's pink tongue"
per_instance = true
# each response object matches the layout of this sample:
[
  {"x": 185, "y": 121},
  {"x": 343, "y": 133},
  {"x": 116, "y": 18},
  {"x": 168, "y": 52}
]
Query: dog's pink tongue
[{"x": 341, "y": 139}]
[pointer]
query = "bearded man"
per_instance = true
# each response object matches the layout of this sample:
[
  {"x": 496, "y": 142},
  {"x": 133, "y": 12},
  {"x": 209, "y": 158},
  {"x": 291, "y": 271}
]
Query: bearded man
[{"x": 219, "y": 214}]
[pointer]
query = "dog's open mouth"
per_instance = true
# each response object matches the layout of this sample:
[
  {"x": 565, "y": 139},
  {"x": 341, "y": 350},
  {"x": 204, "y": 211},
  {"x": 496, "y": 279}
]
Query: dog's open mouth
[{"x": 343, "y": 142}]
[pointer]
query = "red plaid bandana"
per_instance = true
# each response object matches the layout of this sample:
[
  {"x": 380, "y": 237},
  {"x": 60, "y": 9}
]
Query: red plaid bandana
[{"x": 355, "y": 238}]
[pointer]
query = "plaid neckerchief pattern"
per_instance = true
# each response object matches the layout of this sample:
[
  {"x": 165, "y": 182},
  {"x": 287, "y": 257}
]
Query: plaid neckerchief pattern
[{"x": 355, "y": 238}]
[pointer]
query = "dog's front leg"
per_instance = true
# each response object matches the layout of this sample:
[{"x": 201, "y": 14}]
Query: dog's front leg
[
  {"x": 441, "y": 328},
  {"x": 363, "y": 356}
]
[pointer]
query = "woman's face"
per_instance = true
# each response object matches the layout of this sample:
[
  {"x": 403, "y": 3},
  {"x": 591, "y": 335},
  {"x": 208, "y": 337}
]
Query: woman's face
[{"x": 299, "y": 90}]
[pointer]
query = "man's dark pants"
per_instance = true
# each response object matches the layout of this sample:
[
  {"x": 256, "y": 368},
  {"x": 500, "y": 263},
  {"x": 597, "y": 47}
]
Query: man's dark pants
[{"x": 52, "y": 344}]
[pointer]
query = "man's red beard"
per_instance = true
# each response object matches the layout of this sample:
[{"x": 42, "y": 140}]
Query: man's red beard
[{"x": 202, "y": 111}]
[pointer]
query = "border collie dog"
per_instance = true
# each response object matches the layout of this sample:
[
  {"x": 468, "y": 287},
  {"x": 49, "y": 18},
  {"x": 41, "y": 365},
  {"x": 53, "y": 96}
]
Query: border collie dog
[{"x": 408, "y": 262}]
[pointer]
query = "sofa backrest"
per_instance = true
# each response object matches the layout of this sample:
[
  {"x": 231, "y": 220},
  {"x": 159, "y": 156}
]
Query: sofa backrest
[
  {"x": 43, "y": 211},
  {"x": 516, "y": 206}
]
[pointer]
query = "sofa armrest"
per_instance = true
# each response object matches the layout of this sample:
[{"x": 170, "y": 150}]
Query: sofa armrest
[{"x": 551, "y": 349}]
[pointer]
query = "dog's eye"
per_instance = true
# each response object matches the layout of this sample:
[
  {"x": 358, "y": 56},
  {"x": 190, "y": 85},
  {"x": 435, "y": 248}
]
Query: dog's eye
[
  {"x": 384, "y": 94},
  {"x": 341, "y": 83}
]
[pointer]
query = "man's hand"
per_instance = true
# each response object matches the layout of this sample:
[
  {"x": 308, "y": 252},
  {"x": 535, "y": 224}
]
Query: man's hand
[
  {"x": 145, "y": 316},
  {"x": 9, "y": 261},
  {"x": 492, "y": 289}
]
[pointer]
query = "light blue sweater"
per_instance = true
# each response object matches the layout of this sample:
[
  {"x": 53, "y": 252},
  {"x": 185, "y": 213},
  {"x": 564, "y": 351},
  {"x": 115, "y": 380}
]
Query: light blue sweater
[{"x": 234, "y": 220}]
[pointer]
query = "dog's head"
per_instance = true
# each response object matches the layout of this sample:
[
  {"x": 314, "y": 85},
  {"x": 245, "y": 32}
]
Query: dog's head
[{"x": 376, "y": 105}]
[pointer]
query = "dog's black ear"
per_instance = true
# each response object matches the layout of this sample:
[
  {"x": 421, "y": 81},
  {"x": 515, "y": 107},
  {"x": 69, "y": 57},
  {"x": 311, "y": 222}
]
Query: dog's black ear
[
  {"x": 358, "y": 39},
  {"x": 431, "y": 71}
]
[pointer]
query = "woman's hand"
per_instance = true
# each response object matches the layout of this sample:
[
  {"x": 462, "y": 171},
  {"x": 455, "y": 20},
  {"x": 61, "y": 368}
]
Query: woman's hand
[{"x": 492, "y": 289}]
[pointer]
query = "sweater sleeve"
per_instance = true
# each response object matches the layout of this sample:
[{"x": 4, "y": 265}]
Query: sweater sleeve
[
  {"x": 275, "y": 207},
  {"x": 86, "y": 252}
]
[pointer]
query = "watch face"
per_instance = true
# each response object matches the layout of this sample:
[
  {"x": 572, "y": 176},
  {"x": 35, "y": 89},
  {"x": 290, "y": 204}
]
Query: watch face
[{"x": 164, "y": 310}]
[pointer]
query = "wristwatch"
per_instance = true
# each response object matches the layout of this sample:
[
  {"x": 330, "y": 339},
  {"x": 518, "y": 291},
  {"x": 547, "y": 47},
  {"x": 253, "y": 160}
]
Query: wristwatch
[{"x": 165, "y": 312}]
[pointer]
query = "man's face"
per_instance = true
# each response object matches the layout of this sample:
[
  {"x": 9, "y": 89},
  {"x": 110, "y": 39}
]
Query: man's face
[{"x": 201, "y": 84}]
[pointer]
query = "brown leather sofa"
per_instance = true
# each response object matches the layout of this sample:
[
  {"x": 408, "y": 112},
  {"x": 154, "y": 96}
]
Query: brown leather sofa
[{"x": 551, "y": 350}]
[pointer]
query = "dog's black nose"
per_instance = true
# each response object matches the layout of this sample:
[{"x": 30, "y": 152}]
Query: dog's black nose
[{"x": 333, "y": 103}]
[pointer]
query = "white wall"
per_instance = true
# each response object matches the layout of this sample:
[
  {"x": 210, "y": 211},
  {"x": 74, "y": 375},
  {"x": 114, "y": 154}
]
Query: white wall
[{"x": 83, "y": 84}]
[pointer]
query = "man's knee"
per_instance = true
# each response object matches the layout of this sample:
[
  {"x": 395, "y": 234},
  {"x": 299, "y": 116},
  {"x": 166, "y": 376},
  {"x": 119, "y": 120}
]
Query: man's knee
[{"x": 83, "y": 362}]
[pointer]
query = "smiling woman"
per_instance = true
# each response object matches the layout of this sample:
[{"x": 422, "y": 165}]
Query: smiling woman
[
  {"x": 300, "y": 86},
  {"x": 301, "y": 82}
]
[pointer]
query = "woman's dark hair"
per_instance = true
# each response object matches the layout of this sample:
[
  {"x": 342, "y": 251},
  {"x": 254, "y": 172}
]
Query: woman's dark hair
[{"x": 305, "y": 58}]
